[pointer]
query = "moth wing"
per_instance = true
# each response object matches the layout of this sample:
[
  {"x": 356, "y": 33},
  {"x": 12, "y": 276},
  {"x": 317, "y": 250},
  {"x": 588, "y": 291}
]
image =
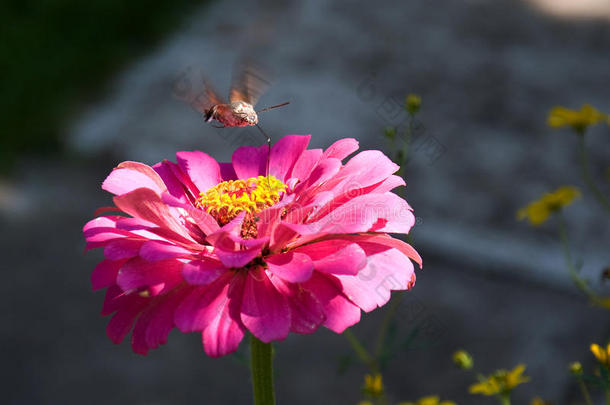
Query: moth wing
[
  {"x": 250, "y": 81},
  {"x": 192, "y": 87}
]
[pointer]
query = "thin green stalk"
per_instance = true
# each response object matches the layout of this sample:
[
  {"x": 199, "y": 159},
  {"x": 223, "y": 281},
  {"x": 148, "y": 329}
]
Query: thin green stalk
[
  {"x": 387, "y": 320},
  {"x": 361, "y": 351},
  {"x": 586, "y": 174},
  {"x": 565, "y": 245},
  {"x": 261, "y": 366},
  {"x": 370, "y": 361},
  {"x": 405, "y": 149},
  {"x": 585, "y": 391}
]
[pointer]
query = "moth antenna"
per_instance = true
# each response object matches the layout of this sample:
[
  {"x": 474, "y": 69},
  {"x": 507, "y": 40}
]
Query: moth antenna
[
  {"x": 273, "y": 106},
  {"x": 268, "y": 148}
]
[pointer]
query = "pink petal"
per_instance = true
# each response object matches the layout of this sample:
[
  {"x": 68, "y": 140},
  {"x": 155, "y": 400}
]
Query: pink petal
[
  {"x": 290, "y": 266},
  {"x": 338, "y": 197},
  {"x": 339, "y": 311},
  {"x": 190, "y": 189},
  {"x": 113, "y": 299},
  {"x": 155, "y": 323},
  {"x": 102, "y": 222},
  {"x": 306, "y": 311},
  {"x": 144, "y": 229},
  {"x": 202, "y": 305},
  {"x": 233, "y": 229},
  {"x": 305, "y": 163},
  {"x": 106, "y": 234},
  {"x": 133, "y": 224},
  {"x": 202, "y": 169},
  {"x": 250, "y": 161},
  {"x": 232, "y": 250},
  {"x": 369, "y": 166},
  {"x": 173, "y": 184},
  {"x": 387, "y": 270},
  {"x": 129, "y": 176},
  {"x": 122, "y": 248},
  {"x": 388, "y": 184},
  {"x": 146, "y": 204},
  {"x": 264, "y": 311},
  {"x": 324, "y": 171},
  {"x": 104, "y": 274},
  {"x": 224, "y": 333},
  {"x": 268, "y": 220},
  {"x": 227, "y": 172},
  {"x": 122, "y": 322},
  {"x": 202, "y": 271},
  {"x": 138, "y": 273},
  {"x": 342, "y": 148},
  {"x": 285, "y": 153},
  {"x": 335, "y": 256},
  {"x": 282, "y": 234},
  {"x": 103, "y": 210},
  {"x": 204, "y": 221},
  {"x": 371, "y": 212},
  {"x": 153, "y": 251},
  {"x": 388, "y": 241}
]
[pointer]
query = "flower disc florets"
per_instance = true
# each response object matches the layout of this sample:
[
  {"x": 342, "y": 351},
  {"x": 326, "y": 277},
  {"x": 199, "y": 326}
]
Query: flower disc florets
[{"x": 229, "y": 198}]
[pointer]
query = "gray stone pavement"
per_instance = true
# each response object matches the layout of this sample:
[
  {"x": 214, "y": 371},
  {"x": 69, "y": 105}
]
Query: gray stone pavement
[{"x": 488, "y": 73}]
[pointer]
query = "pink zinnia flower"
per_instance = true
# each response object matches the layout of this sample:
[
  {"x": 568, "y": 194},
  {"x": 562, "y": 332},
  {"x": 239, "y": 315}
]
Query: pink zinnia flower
[{"x": 219, "y": 248}]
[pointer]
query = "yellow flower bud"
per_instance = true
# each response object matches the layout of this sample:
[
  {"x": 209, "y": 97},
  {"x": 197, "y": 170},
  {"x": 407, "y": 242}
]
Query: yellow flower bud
[
  {"x": 389, "y": 132},
  {"x": 413, "y": 103},
  {"x": 463, "y": 359},
  {"x": 576, "y": 368}
]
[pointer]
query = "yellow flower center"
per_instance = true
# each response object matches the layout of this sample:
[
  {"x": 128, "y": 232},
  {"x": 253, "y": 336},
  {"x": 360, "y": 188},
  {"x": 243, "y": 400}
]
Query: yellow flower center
[{"x": 226, "y": 200}]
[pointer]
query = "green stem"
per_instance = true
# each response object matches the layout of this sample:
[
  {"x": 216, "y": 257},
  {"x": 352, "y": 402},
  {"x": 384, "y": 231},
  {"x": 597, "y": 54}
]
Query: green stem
[
  {"x": 361, "y": 351},
  {"x": 586, "y": 174},
  {"x": 585, "y": 391},
  {"x": 504, "y": 399},
  {"x": 261, "y": 366},
  {"x": 405, "y": 148},
  {"x": 385, "y": 324},
  {"x": 367, "y": 359},
  {"x": 565, "y": 245}
]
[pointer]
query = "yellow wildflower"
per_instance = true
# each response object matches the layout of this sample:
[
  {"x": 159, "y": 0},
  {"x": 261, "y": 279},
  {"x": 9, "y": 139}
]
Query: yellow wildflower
[
  {"x": 579, "y": 120},
  {"x": 500, "y": 382},
  {"x": 463, "y": 359},
  {"x": 537, "y": 212},
  {"x": 413, "y": 103},
  {"x": 576, "y": 368},
  {"x": 602, "y": 354},
  {"x": 430, "y": 400},
  {"x": 373, "y": 385}
]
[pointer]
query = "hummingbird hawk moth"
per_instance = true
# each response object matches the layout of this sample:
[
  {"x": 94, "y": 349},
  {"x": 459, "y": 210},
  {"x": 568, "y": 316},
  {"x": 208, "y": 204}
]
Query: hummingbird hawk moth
[{"x": 246, "y": 88}]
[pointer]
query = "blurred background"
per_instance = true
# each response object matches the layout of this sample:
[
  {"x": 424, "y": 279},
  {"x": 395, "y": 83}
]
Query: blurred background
[{"x": 85, "y": 86}]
